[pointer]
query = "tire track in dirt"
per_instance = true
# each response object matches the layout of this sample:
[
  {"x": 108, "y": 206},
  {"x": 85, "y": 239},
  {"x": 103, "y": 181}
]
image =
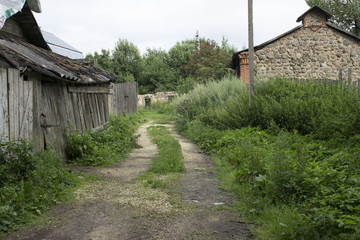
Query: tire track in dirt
[
  {"x": 119, "y": 208},
  {"x": 201, "y": 192}
]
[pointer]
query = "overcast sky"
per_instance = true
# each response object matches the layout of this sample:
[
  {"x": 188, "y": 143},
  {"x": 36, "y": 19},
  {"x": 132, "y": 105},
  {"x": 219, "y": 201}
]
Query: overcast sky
[{"x": 92, "y": 25}]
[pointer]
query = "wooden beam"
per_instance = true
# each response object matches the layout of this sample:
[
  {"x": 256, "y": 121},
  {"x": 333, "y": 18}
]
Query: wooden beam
[{"x": 73, "y": 89}]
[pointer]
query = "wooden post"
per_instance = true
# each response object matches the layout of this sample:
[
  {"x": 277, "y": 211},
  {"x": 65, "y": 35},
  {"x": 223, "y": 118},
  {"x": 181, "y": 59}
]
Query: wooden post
[{"x": 251, "y": 50}]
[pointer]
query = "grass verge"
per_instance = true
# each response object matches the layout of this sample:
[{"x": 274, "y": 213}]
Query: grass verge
[{"x": 169, "y": 159}]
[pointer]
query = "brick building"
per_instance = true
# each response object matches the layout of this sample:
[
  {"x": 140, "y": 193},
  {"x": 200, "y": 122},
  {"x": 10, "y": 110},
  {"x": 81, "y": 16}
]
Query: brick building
[{"x": 314, "y": 50}]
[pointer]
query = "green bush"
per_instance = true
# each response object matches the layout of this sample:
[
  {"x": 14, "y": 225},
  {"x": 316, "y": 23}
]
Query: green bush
[
  {"x": 29, "y": 182},
  {"x": 106, "y": 145}
]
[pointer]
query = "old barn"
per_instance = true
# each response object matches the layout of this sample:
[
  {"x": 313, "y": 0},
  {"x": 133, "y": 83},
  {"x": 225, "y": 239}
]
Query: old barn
[{"x": 43, "y": 93}]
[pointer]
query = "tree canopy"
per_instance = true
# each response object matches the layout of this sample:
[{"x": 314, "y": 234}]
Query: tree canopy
[
  {"x": 187, "y": 62},
  {"x": 346, "y": 13}
]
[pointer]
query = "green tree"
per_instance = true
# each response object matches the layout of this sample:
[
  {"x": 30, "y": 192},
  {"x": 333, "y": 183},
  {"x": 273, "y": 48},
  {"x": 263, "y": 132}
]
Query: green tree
[
  {"x": 346, "y": 13},
  {"x": 179, "y": 55},
  {"x": 208, "y": 62},
  {"x": 104, "y": 60},
  {"x": 127, "y": 61},
  {"x": 157, "y": 75}
]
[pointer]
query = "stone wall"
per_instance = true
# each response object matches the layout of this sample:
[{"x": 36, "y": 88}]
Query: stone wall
[
  {"x": 310, "y": 54},
  {"x": 157, "y": 97}
]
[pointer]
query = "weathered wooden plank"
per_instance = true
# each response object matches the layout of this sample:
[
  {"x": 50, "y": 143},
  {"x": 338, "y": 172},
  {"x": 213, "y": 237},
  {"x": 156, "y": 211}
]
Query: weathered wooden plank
[
  {"x": 26, "y": 114},
  {"x": 20, "y": 99},
  {"x": 92, "y": 111},
  {"x": 12, "y": 104},
  {"x": 111, "y": 99},
  {"x": 76, "y": 111},
  {"x": 81, "y": 111},
  {"x": 70, "y": 118},
  {"x": 87, "y": 115},
  {"x": 86, "y": 111},
  {"x": 4, "y": 104},
  {"x": 101, "y": 107},
  {"x": 62, "y": 116},
  {"x": 98, "y": 110},
  {"x": 37, "y": 134},
  {"x": 30, "y": 117},
  {"x": 73, "y": 89},
  {"x": 106, "y": 106},
  {"x": 24, "y": 127}
]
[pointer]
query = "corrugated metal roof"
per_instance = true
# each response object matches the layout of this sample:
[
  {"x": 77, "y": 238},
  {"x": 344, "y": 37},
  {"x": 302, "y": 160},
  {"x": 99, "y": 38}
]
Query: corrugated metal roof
[
  {"x": 24, "y": 55},
  {"x": 61, "y": 47}
]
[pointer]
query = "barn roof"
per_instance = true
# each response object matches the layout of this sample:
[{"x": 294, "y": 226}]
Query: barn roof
[{"x": 23, "y": 55}]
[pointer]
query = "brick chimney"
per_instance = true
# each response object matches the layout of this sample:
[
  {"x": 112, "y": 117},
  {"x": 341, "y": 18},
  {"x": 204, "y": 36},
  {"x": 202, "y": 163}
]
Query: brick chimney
[{"x": 314, "y": 18}]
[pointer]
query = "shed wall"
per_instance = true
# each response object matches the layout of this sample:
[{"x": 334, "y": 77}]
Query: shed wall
[{"x": 16, "y": 111}]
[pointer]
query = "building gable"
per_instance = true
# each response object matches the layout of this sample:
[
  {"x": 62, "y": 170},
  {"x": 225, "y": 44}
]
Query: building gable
[
  {"x": 315, "y": 17},
  {"x": 315, "y": 50}
]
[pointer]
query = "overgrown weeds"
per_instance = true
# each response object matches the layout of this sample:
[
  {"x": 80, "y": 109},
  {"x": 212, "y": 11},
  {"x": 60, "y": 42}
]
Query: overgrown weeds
[
  {"x": 291, "y": 155},
  {"x": 106, "y": 145},
  {"x": 29, "y": 183}
]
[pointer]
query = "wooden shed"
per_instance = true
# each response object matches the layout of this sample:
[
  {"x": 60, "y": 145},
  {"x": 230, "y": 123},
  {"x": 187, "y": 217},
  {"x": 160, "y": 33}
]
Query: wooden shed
[{"x": 43, "y": 93}]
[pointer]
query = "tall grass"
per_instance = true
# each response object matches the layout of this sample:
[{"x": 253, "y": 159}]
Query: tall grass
[
  {"x": 292, "y": 155},
  {"x": 323, "y": 110},
  {"x": 205, "y": 100}
]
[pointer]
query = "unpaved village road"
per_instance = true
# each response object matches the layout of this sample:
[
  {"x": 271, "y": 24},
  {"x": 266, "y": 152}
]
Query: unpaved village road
[{"x": 118, "y": 206}]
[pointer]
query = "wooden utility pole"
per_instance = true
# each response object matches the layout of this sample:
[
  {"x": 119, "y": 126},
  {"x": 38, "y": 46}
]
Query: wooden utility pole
[{"x": 251, "y": 50}]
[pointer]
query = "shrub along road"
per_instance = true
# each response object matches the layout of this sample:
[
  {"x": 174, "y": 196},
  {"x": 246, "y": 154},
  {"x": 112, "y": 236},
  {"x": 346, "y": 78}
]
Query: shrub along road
[{"x": 122, "y": 202}]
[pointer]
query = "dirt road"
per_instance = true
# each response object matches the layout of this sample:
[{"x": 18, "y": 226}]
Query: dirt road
[{"x": 118, "y": 206}]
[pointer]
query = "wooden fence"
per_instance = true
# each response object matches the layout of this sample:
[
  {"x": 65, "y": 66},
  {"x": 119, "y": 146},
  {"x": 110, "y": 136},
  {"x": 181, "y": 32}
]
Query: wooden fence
[{"x": 123, "y": 98}]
